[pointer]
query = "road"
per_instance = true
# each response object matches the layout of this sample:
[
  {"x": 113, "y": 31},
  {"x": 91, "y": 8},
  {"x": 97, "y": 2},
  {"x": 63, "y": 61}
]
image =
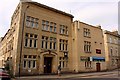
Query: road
[{"x": 111, "y": 75}]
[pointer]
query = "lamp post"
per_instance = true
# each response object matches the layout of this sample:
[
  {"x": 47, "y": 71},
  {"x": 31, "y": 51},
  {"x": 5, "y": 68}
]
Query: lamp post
[{"x": 23, "y": 24}]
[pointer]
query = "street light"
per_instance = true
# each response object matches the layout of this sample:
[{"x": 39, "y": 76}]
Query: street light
[{"x": 23, "y": 23}]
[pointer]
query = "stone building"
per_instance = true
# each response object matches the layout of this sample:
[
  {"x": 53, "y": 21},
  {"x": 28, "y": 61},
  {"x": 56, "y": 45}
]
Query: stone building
[
  {"x": 111, "y": 49},
  {"x": 88, "y": 48},
  {"x": 39, "y": 39}
]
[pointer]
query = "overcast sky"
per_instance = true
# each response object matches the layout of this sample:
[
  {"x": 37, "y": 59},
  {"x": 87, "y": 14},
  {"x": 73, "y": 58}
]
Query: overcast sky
[{"x": 94, "y": 12}]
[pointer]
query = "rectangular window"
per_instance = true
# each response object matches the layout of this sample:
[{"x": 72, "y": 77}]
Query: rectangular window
[
  {"x": 42, "y": 44},
  {"x": 34, "y": 64},
  {"x": 30, "y": 56},
  {"x": 36, "y": 24},
  {"x": 54, "y": 27},
  {"x": 66, "y": 47},
  {"x": 111, "y": 51},
  {"x": 25, "y": 56},
  {"x": 63, "y": 29},
  {"x": 48, "y": 42},
  {"x": 30, "y": 42},
  {"x": 34, "y": 56},
  {"x": 43, "y": 25},
  {"x": 24, "y": 64},
  {"x": 46, "y": 28},
  {"x": 29, "y": 64},
  {"x": 35, "y": 36},
  {"x": 87, "y": 46},
  {"x": 86, "y": 32},
  {"x": 54, "y": 47},
  {"x": 51, "y": 26},
  {"x": 60, "y": 45},
  {"x": 47, "y": 25},
  {"x": 35, "y": 43},
  {"x": 26, "y": 42},
  {"x": 31, "y": 35},
  {"x": 31, "y": 39},
  {"x": 28, "y": 21},
  {"x": 63, "y": 62},
  {"x": 46, "y": 45},
  {"x": 88, "y": 64},
  {"x": 26, "y": 35},
  {"x": 50, "y": 45},
  {"x": 67, "y": 30},
  {"x": 63, "y": 45},
  {"x": 29, "y": 61},
  {"x": 43, "y": 41},
  {"x": 32, "y": 22}
]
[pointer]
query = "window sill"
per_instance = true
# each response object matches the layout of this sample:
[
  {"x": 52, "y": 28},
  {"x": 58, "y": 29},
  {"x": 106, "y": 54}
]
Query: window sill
[
  {"x": 49, "y": 31},
  {"x": 30, "y": 47},
  {"x": 32, "y": 27},
  {"x": 88, "y": 52},
  {"x": 87, "y": 36},
  {"x": 49, "y": 49},
  {"x": 64, "y": 34}
]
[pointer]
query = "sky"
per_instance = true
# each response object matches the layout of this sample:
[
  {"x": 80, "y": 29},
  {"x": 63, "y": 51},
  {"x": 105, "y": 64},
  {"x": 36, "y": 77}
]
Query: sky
[{"x": 93, "y": 12}]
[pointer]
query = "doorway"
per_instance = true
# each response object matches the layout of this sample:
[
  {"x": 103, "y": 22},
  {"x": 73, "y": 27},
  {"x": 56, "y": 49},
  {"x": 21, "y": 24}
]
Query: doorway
[
  {"x": 48, "y": 64},
  {"x": 98, "y": 68}
]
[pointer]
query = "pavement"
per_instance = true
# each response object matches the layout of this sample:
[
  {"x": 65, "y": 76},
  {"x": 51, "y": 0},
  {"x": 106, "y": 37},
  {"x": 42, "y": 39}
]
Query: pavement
[{"x": 70, "y": 76}]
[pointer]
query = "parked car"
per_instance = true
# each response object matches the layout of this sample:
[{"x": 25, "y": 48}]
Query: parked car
[{"x": 4, "y": 74}]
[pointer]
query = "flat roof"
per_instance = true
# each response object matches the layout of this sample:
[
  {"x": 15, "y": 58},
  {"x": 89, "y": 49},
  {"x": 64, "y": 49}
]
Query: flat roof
[
  {"x": 88, "y": 24},
  {"x": 111, "y": 33}
]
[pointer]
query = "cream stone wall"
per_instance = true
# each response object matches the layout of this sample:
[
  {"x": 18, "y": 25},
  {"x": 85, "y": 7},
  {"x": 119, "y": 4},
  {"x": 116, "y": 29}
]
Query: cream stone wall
[
  {"x": 111, "y": 58},
  {"x": 43, "y": 14},
  {"x": 78, "y": 49},
  {"x": 77, "y": 60}
]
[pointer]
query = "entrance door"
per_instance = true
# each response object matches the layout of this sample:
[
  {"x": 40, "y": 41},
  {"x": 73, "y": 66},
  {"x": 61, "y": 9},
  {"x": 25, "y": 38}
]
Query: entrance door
[
  {"x": 47, "y": 64},
  {"x": 98, "y": 68}
]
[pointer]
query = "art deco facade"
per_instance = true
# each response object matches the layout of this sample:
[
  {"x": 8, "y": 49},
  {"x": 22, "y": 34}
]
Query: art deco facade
[
  {"x": 111, "y": 49},
  {"x": 88, "y": 48}
]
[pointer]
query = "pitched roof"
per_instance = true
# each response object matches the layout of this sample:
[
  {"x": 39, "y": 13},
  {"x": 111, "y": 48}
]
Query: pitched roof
[{"x": 50, "y": 8}]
